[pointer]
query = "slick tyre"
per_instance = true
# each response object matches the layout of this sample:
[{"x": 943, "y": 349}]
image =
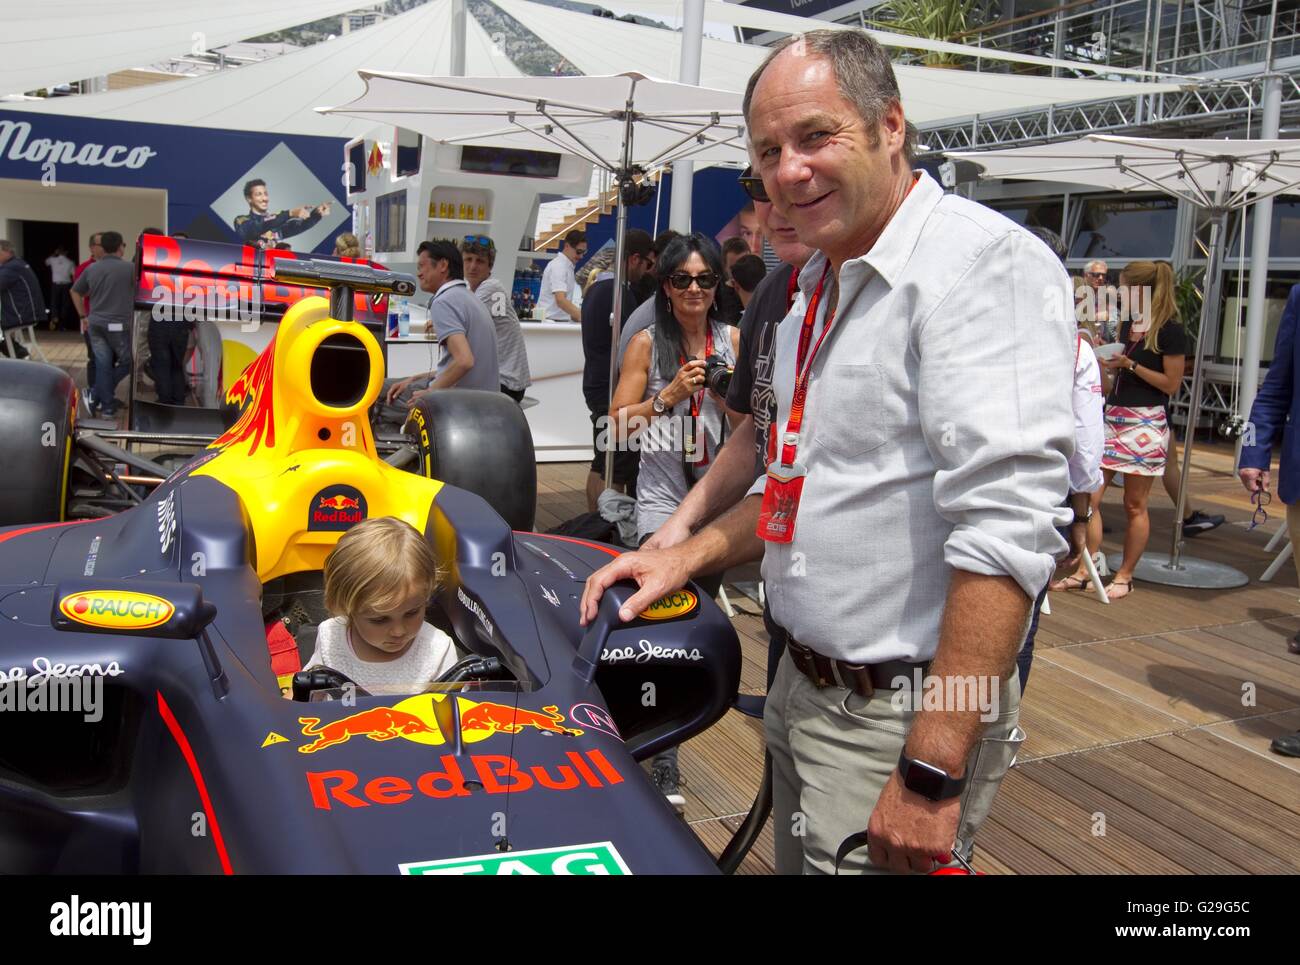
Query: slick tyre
[
  {"x": 37, "y": 408},
  {"x": 478, "y": 441}
]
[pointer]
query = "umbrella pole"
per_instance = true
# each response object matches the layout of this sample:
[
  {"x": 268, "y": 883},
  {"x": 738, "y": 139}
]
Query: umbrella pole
[
  {"x": 621, "y": 177},
  {"x": 1174, "y": 569},
  {"x": 1207, "y": 335}
]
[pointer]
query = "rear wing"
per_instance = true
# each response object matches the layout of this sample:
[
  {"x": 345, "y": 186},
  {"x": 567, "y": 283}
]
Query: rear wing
[{"x": 191, "y": 280}]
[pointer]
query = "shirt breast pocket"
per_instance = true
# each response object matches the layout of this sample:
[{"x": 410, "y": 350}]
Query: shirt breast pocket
[{"x": 852, "y": 418}]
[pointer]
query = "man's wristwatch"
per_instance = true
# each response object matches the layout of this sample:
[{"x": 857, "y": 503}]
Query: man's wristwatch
[
  {"x": 1083, "y": 519},
  {"x": 932, "y": 783},
  {"x": 659, "y": 405}
]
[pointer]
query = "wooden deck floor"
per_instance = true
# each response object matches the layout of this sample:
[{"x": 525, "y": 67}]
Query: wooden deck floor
[{"x": 1148, "y": 720}]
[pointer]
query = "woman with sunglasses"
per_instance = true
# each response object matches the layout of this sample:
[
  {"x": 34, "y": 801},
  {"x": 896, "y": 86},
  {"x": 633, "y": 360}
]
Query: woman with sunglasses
[{"x": 662, "y": 388}]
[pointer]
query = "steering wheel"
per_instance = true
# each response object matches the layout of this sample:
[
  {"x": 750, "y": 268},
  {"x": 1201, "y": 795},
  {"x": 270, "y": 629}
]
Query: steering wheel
[
  {"x": 321, "y": 679},
  {"x": 472, "y": 667}
]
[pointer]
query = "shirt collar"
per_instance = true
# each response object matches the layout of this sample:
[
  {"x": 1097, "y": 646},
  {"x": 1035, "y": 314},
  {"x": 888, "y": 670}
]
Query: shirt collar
[
  {"x": 450, "y": 284},
  {"x": 892, "y": 250}
]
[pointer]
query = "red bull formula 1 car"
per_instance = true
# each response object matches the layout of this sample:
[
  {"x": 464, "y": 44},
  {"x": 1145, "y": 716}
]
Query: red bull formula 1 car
[{"x": 523, "y": 759}]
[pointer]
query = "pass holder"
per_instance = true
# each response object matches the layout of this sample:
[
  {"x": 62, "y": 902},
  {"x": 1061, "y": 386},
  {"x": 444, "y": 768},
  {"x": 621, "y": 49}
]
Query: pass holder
[
  {"x": 691, "y": 452},
  {"x": 781, "y": 495}
]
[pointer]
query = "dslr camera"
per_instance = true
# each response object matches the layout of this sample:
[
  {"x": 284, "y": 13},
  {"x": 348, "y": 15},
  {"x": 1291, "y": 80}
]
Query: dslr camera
[{"x": 717, "y": 374}]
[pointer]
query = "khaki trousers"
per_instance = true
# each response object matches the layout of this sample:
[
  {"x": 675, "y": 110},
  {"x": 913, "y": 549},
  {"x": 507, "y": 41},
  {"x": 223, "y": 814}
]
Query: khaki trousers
[{"x": 832, "y": 753}]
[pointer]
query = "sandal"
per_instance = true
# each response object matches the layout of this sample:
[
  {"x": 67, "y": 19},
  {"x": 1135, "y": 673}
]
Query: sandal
[
  {"x": 1127, "y": 584},
  {"x": 1069, "y": 583}
]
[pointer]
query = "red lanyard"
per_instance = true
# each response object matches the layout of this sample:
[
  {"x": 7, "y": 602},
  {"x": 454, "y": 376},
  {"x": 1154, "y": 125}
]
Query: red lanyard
[
  {"x": 803, "y": 369},
  {"x": 791, "y": 287},
  {"x": 697, "y": 399}
]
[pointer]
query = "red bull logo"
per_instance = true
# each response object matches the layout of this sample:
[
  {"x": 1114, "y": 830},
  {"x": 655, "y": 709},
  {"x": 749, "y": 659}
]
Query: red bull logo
[
  {"x": 416, "y": 719},
  {"x": 377, "y": 723},
  {"x": 494, "y": 773},
  {"x": 338, "y": 502},
  {"x": 336, "y": 508}
]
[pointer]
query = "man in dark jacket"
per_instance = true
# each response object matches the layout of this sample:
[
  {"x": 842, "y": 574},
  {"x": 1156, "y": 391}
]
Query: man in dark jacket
[
  {"x": 21, "y": 301},
  {"x": 1272, "y": 418}
]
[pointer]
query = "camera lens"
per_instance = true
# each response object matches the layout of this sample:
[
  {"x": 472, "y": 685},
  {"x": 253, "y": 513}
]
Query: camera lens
[{"x": 717, "y": 375}]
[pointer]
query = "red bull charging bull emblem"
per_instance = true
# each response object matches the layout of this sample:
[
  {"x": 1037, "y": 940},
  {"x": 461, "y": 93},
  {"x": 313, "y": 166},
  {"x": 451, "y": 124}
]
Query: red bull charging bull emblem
[
  {"x": 336, "y": 508},
  {"x": 416, "y": 719}
]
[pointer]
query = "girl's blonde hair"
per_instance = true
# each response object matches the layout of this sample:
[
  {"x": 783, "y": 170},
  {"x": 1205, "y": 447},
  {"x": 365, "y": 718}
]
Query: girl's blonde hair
[
  {"x": 376, "y": 564},
  {"x": 1158, "y": 278},
  {"x": 347, "y": 245}
]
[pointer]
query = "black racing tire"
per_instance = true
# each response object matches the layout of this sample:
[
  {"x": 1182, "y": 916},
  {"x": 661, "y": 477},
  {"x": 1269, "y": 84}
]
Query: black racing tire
[
  {"x": 478, "y": 441},
  {"x": 38, "y": 404}
]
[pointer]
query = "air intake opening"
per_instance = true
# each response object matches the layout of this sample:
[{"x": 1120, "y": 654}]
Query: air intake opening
[{"x": 340, "y": 371}]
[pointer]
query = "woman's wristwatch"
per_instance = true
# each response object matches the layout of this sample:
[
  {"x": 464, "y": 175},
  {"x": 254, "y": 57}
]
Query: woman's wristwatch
[{"x": 658, "y": 404}]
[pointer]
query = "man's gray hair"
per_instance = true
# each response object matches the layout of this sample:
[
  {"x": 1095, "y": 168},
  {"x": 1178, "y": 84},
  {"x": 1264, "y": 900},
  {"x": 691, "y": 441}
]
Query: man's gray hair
[
  {"x": 1096, "y": 261},
  {"x": 6, "y": 245},
  {"x": 863, "y": 73}
]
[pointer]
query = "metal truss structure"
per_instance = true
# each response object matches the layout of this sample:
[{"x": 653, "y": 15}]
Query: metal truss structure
[
  {"x": 1225, "y": 46},
  {"x": 1216, "y": 107}
]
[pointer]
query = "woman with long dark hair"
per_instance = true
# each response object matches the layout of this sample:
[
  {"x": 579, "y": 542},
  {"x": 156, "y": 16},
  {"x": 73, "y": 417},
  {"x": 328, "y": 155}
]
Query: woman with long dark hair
[{"x": 664, "y": 406}]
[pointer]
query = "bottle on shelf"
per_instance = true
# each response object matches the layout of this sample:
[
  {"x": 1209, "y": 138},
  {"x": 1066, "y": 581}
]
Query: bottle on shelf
[{"x": 482, "y": 212}]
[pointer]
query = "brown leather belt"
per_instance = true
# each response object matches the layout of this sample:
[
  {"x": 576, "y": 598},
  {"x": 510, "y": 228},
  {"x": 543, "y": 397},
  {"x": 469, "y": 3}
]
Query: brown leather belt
[{"x": 862, "y": 679}]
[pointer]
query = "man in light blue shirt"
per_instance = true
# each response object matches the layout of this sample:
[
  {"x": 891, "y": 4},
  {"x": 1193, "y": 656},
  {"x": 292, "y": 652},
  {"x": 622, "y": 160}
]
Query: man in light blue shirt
[{"x": 467, "y": 348}]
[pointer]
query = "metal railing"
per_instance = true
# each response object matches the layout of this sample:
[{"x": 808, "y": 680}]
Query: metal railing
[{"x": 1169, "y": 36}]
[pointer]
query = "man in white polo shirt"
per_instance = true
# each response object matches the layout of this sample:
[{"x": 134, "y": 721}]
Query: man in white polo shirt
[
  {"x": 916, "y": 468},
  {"x": 559, "y": 280}
]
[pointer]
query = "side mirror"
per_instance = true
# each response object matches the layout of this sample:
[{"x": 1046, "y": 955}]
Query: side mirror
[
  {"x": 665, "y": 676},
  {"x": 139, "y": 608}
]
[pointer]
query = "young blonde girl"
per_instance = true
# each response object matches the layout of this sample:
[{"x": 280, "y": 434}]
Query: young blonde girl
[{"x": 378, "y": 580}]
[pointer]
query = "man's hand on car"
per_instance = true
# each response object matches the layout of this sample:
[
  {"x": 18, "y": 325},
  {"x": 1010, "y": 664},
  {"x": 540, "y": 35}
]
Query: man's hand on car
[{"x": 657, "y": 572}]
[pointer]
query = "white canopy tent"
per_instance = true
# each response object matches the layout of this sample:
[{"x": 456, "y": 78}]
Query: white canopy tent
[
  {"x": 596, "y": 45},
  {"x": 1219, "y": 176},
  {"x": 756, "y": 18},
  {"x": 281, "y": 94},
  {"x": 620, "y": 122},
  {"x": 57, "y": 41}
]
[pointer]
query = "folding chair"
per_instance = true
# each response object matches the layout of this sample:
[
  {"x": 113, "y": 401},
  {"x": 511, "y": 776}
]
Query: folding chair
[{"x": 29, "y": 343}]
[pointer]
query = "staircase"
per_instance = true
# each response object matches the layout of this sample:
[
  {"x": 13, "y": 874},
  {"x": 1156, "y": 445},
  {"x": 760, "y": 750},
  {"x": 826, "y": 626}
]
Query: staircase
[{"x": 576, "y": 213}]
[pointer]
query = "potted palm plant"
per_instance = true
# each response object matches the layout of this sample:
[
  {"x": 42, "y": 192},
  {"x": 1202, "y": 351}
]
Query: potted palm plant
[{"x": 931, "y": 19}]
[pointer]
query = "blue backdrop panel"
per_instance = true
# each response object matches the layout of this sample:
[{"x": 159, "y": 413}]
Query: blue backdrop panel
[{"x": 196, "y": 166}]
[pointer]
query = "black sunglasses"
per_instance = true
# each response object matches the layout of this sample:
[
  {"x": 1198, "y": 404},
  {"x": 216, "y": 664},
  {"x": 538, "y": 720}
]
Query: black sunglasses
[
  {"x": 482, "y": 241},
  {"x": 681, "y": 280},
  {"x": 753, "y": 186}
]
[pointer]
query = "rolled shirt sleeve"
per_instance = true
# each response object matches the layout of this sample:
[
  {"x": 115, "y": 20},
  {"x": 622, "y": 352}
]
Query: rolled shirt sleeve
[{"x": 996, "y": 370}]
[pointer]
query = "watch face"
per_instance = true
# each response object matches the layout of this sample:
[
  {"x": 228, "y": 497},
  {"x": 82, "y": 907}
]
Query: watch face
[{"x": 925, "y": 780}]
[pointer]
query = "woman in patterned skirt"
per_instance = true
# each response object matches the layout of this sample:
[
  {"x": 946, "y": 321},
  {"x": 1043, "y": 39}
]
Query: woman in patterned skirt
[{"x": 1142, "y": 379}]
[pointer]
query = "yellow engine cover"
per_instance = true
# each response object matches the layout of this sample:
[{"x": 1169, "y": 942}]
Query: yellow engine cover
[{"x": 302, "y": 455}]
